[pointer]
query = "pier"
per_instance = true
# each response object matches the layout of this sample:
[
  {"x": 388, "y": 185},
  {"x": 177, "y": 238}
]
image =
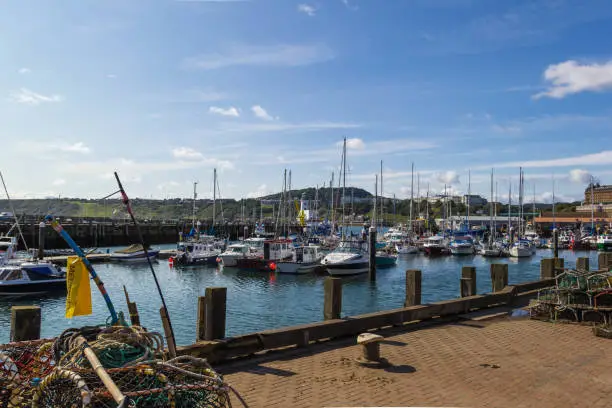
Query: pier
[{"x": 468, "y": 351}]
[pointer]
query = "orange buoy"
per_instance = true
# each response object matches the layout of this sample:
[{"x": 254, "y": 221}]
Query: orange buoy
[
  {"x": 272, "y": 266},
  {"x": 171, "y": 261}
]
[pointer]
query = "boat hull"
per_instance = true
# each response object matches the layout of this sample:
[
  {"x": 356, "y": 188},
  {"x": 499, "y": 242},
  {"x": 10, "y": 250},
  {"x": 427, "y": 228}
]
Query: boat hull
[
  {"x": 203, "y": 260},
  {"x": 36, "y": 288},
  {"x": 434, "y": 251},
  {"x": 385, "y": 260},
  {"x": 348, "y": 268},
  {"x": 462, "y": 251},
  {"x": 490, "y": 253},
  {"x": 606, "y": 246},
  {"x": 136, "y": 257},
  {"x": 520, "y": 252},
  {"x": 296, "y": 268}
]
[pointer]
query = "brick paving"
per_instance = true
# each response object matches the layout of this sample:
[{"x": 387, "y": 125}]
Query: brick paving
[{"x": 540, "y": 365}]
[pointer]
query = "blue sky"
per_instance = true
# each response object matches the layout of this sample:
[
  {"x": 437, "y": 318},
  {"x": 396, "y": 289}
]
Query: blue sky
[{"x": 165, "y": 91}]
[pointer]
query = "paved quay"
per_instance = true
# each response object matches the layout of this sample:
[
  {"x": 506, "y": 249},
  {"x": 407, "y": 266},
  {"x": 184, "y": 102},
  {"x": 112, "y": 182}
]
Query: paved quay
[{"x": 500, "y": 362}]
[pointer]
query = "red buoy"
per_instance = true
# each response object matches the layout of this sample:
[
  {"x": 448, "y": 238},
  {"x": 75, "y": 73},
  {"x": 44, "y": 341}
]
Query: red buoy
[
  {"x": 272, "y": 266},
  {"x": 171, "y": 261}
]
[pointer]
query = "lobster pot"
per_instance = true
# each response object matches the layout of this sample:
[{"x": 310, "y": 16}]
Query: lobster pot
[
  {"x": 181, "y": 383},
  {"x": 22, "y": 364}
]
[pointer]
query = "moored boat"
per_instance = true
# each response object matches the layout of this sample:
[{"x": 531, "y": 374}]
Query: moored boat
[
  {"x": 31, "y": 279},
  {"x": 434, "y": 246},
  {"x": 305, "y": 259},
  {"x": 134, "y": 253},
  {"x": 604, "y": 242},
  {"x": 521, "y": 249},
  {"x": 462, "y": 246},
  {"x": 349, "y": 258}
]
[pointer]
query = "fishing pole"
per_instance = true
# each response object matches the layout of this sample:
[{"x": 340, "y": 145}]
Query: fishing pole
[{"x": 128, "y": 207}]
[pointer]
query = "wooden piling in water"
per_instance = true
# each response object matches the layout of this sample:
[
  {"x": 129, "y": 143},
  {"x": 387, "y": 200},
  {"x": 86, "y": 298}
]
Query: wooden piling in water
[
  {"x": 582, "y": 264},
  {"x": 132, "y": 309},
  {"x": 559, "y": 265},
  {"x": 215, "y": 311},
  {"x": 332, "y": 306},
  {"x": 556, "y": 242},
  {"x": 372, "y": 253},
  {"x": 168, "y": 333},
  {"x": 201, "y": 323},
  {"x": 604, "y": 261},
  {"x": 25, "y": 323},
  {"x": 413, "y": 288},
  {"x": 468, "y": 281},
  {"x": 499, "y": 277},
  {"x": 547, "y": 268}
]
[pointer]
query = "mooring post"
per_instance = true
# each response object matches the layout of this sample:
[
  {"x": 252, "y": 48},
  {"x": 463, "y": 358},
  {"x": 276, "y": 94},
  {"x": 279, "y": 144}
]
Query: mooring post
[
  {"x": 201, "y": 323},
  {"x": 468, "y": 281},
  {"x": 163, "y": 313},
  {"x": 499, "y": 277},
  {"x": 547, "y": 268},
  {"x": 582, "y": 264},
  {"x": 413, "y": 288},
  {"x": 41, "y": 240},
  {"x": 132, "y": 309},
  {"x": 556, "y": 242},
  {"x": 216, "y": 307},
  {"x": 25, "y": 323},
  {"x": 246, "y": 232},
  {"x": 559, "y": 265},
  {"x": 332, "y": 306},
  {"x": 604, "y": 261},
  {"x": 372, "y": 253}
]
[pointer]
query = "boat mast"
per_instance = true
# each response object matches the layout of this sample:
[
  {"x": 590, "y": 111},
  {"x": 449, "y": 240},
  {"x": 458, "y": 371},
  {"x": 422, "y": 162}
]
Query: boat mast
[
  {"x": 495, "y": 220},
  {"x": 427, "y": 208},
  {"x": 382, "y": 202},
  {"x": 214, "y": 196},
  {"x": 533, "y": 210},
  {"x": 469, "y": 200},
  {"x": 553, "y": 203},
  {"x": 510, "y": 209},
  {"x": 343, "y": 185},
  {"x": 193, "y": 210},
  {"x": 375, "y": 201},
  {"x": 491, "y": 213},
  {"x": 418, "y": 196},
  {"x": 592, "y": 208},
  {"x": 411, "y": 198}
]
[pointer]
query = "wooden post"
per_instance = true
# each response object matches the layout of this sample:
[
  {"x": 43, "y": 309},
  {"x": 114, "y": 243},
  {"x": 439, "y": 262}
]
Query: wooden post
[
  {"x": 132, "y": 309},
  {"x": 332, "y": 306},
  {"x": 201, "y": 323},
  {"x": 556, "y": 242},
  {"x": 413, "y": 288},
  {"x": 216, "y": 306},
  {"x": 547, "y": 268},
  {"x": 468, "y": 281},
  {"x": 604, "y": 261},
  {"x": 582, "y": 264},
  {"x": 559, "y": 264},
  {"x": 41, "y": 240},
  {"x": 499, "y": 277},
  {"x": 25, "y": 323},
  {"x": 168, "y": 333},
  {"x": 372, "y": 253}
]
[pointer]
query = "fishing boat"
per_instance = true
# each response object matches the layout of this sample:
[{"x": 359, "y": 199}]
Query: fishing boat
[
  {"x": 233, "y": 253},
  {"x": 405, "y": 248},
  {"x": 604, "y": 242},
  {"x": 198, "y": 252},
  {"x": 273, "y": 251},
  {"x": 383, "y": 259},
  {"x": 134, "y": 253},
  {"x": 31, "y": 279},
  {"x": 462, "y": 246},
  {"x": 521, "y": 249},
  {"x": 305, "y": 259},
  {"x": 435, "y": 246},
  {"x": 349, "y": 258}
]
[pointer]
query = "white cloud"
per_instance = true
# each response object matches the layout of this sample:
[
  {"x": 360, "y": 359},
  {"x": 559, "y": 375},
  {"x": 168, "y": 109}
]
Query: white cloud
[
  {"x": 78, "y": 147},
  {"x": 231, "y": 111},
  {"x": 448, "y": 177},
  {"x": 571, "y": 77},
  {"x": 28, "y": 97},
  {"x": 353, "y": 144},
  {"x": 186, "y": 153},
  {"x": 111, "y": 76},
  {"x": 580, "y": 176},
  {"x": 277, "y": 126},
  {"x": 283, "y": 55},
  {"x": 349, "y": 5},
  {"x": 261, "y": 113},
  {"x": 593, "y": 159},
  {"x": 307, "y": 9},
  {"x": 24, "y": 70},
  {"x": 58, "y": 182}
]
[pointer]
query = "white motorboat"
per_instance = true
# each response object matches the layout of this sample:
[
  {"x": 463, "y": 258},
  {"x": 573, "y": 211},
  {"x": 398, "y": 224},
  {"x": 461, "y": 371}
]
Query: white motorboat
[
  {"x": 255, "y": 245},
  {"x": 349, "y": 258},
  {"x": 198, "y": 252},
  {"x": 462, "y": 246},
  {"x": 8, "y": 247},
  {"x": 604, "y": 242},
  {"x": 134, "y": 253},
  {"x": 406, "y": 248},
  {"x": 521, "y": 249},
  {"x": 233, "y": 253},
  {"x": 491, "y": 252},
  {"x": 305, "y": 259},
  {"x": 435, "y": 245},
  {"x": 31, "y": 279}
]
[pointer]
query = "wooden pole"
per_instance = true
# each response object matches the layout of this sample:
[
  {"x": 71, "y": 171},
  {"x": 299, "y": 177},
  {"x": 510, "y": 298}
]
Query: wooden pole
[
  {"x": 604, "y": 261},
  {"x": 372, "y": 253},
  {"x": 132, "y": 309},
  {"x": 108, "y": 382},
  {"x": 332, "y": 306},
  {"x": 413, "y": 288},
  {"x": 201, "y": 323},
  {"x": 167, "y": 332},
  {"x": 25, "y": 323},
  {"x": 499, "y": 277},
  {"x": 547, "y": 268},
  {"x": 468, "y": 281},
  {"x": 215, "y": 312},
  {"x": 559, "y": 264},
  {"x": 556, "y": 242},
  {"x": 582, "y": 264}
]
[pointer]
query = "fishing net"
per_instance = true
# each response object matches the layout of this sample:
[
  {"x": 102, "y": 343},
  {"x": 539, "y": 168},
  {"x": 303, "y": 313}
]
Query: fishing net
[{"x": 57, "y": 373}]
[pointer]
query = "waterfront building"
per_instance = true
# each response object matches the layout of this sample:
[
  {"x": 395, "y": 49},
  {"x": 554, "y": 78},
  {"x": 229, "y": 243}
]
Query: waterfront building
[{"x": 601, "y": 194}]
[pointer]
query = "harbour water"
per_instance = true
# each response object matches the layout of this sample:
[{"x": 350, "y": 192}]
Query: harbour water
[{"x": 258, "y": 301}]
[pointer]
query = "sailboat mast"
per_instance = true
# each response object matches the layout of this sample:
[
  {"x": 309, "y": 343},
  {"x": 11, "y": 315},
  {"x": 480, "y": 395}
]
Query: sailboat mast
[
  {"x": 411, "y": 198},
  {"x": 382, "y": 207},
  {"x": 592, "y": 208},
  {"x": 491, "y": 212},
  {"x": 193, "y": 210},
  {"x": 427, "y": 207},
  {"x": 469, "y": 199},
  {"x": 510, "y": 208},
  {"x": 418, "y": 209},
  {"x": 214, "y": 196},
  {"x": 375, "y": 202},
  {"x": 343, "y": 184},
  {"x": 553, "y": 203}
]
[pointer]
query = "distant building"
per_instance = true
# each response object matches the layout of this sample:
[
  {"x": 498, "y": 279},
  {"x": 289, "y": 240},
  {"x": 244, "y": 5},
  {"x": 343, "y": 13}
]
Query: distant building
[
  {"x": 601, "y": 194},
  {"x": 440, "y": 197},
  {"x": 473, "y": 199}
]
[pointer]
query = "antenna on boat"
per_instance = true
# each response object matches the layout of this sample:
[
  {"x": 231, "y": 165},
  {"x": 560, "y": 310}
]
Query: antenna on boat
[
  {"x": 8, "y": 197},
  {"x": 128, "y": 206}
]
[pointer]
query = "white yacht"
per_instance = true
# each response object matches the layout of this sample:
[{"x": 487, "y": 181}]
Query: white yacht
[
  {"x": 435, "y": 245},
  {"x": 233, "y": 253},
  {"x": 349, "y": 258},
  {"x": 521, "y": 249},
  {"x": 305, "y": 259},
  {"x": 462, "y": 246}
]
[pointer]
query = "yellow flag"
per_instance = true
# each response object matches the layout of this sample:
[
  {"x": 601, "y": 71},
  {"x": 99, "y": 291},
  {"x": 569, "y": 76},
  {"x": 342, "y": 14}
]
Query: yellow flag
[{"x": 78, "y": 301}]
